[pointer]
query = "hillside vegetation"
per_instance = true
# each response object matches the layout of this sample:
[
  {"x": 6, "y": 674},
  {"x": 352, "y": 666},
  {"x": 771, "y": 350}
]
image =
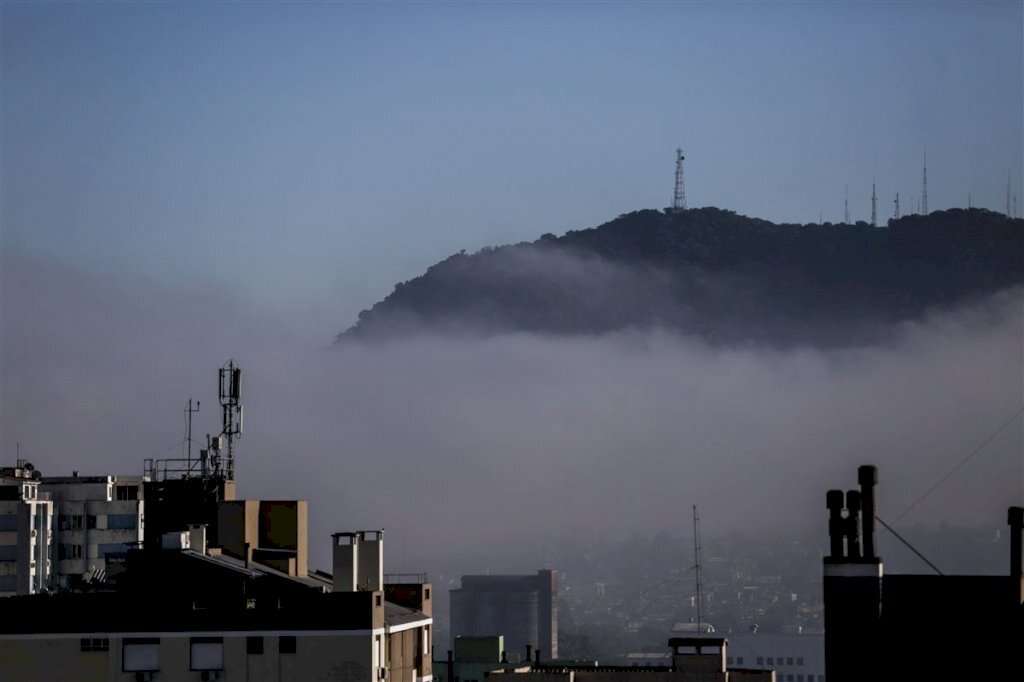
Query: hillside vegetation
[{"x": 712, "y": 273}]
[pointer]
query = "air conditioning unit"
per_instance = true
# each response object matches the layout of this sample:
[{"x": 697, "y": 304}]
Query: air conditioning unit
[{"x": 382, "y": 673}]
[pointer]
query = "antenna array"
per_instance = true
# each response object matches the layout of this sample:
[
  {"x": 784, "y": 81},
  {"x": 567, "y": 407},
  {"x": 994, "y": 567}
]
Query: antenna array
[{"x": 679, "y": 195}]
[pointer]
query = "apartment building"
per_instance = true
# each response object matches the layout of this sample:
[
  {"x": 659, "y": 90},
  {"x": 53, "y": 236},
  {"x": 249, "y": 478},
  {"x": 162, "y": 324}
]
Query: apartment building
[{"x": 26, "y": 531}]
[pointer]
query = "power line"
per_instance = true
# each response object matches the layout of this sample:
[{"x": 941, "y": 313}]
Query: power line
[
  {"x": 958, "y": 466},
  {"x": 910, "y": 546}
]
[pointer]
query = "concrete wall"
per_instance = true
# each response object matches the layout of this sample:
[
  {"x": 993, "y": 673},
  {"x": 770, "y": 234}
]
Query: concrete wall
[{"x": 61, "y": 659}]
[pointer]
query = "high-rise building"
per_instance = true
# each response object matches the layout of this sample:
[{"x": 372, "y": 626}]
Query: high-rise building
[{"x": 522, "y": 608}]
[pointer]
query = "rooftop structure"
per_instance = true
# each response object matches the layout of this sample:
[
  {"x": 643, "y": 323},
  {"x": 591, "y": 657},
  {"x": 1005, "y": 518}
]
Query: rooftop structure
[{"x": 974, "y": 623}]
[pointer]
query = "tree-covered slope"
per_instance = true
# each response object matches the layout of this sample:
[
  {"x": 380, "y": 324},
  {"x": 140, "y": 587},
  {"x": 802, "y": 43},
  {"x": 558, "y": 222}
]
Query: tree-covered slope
[{"x": 713, "y": 273}]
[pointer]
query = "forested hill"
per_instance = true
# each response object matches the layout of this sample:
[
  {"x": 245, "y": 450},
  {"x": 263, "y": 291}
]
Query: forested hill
[{"x": 712, "y": 273}]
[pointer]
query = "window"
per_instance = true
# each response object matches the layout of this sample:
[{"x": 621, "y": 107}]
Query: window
[
  {"x": 8, "y": 522},
  {"x": 760, "y": 660},
  {"x": 127, "y": 492},
  {"x": 90, "y": 521},
  {"x": 799, "y": 678},
  {"x": 426, "y": 593},
  {"x": 71, "y": 521},
  {"x": 8, "y": 583},
  {"x": 108, "y": 548},
  {"x": 286, "y": 644},
  {"x": 66, "y": 551},
  {"x": 254, "y": 646},
  {"x": 95, "y": 644},
  {"x": 789, "y": 660},
  {"x": 799, "y": 660},
  {"x": 122, "y": 521},
  {"x": 140, "y": 655},
  {"x": 728, "y": 661},
  {"x": 739, "y": 660},
  {"x": 8, "y": 552},
  {"x": 771, "y": 661},
  {"x": 207, "y": 653},
  {"x": 378, "y": 600}
]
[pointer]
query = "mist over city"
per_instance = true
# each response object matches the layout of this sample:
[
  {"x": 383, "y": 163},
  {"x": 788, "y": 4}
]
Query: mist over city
[{"x": 441, "y": 242}]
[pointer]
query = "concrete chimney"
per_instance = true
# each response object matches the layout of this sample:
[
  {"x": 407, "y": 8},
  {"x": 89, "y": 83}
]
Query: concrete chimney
[
  {"x": 836, "y": 530},
  {"x": 346, "y": 561},
  {"x": 867, "y": 476},
  {"x": 370, "y": 560},
  {"x": 853, "y": 525}
]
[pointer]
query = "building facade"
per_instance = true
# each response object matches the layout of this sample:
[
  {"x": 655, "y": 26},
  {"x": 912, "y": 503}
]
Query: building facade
[
  {"x": 96, "y": 520},
  {"x": 26, "y": 532},
  {"x": 522, "y": 608}
]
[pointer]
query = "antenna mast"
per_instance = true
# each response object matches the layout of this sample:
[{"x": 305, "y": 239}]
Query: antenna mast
[
  {"x": 189, "y": 411},
  {"x": 696, "y": 558},
  {"x": 924, "y": 190},
  {"x": 896, "y": 213},
  {"x": 679, "y": 195},
  {"x": 230, "y": 393},
  {"x": 874, "y": 204},
  {"x": 846, "y": 204},
  {"x": 1008, "y": 214}
]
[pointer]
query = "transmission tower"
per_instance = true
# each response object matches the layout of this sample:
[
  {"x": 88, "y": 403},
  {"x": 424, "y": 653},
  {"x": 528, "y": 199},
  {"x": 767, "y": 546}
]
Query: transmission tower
[
  {"x": 231, "y": 409},
  {"x": 924, "y": 188},
  {"x": 846, "y": 205},
  {"x": 874, "y": 204},
  {"x": 679, "y": 195}
]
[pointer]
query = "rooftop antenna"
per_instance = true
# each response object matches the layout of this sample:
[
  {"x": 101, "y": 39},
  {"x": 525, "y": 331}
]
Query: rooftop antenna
[
  {"x": 230, "y": 393},
  {"x": 874, "y": 204},
  {"x": 896, "y": 214},
  {"x": 679, "y": 195},
  {"x": 924, "y": 188},
  {"x": 696, "y": 558},
  {"x": 189, "y": 412},
  {"x": 846, "y": 205}
]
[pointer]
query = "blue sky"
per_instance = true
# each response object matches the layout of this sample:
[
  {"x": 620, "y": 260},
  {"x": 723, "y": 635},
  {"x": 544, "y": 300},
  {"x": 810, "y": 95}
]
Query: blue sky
[{"x": 309, "y": 155}]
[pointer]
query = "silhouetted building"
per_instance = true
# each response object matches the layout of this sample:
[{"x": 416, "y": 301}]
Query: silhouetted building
[
  {"x": 522, "y": 608},
  {"x": 26, "y": 532},
  {"x": 876, "y": 625},
  {"x": 693, "y": 659}
]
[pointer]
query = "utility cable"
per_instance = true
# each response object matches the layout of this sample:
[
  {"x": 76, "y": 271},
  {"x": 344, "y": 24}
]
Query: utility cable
[
  {"x": 956, "y": 468},
  {"x": 910, "y": 546}
]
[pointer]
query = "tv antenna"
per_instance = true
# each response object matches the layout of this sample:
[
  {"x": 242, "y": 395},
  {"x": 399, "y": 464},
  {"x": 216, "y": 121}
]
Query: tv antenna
[
  {"x": 697, "y": 570},
  {"x": 679, "y": 195},
  {"x": 188, "y": 434}
]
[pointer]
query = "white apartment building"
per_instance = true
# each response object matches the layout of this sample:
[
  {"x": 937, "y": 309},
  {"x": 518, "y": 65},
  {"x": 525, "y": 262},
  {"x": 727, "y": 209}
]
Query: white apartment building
[
  {"x": 94, "y": 517},
  {"x": 26, "y": 522}
]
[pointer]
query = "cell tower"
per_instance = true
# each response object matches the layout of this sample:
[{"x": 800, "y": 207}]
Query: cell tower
[
  {"x": 896, "y": 213},
  {"x": 874, "y": 204},
  {"x": 230, "y": 393},
  {"x": 679, "y": 195},
  {"x": 924, "y": 186},
  {"x": 846, "y": 205}
]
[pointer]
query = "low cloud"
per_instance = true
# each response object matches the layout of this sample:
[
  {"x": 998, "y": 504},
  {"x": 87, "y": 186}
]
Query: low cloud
[{"x": 462, "y": 446}]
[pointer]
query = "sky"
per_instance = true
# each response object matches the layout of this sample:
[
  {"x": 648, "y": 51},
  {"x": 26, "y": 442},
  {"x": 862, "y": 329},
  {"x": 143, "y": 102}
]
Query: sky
[
  {"x": 311, "y": 155},
  {"x": 183, "y": 183}
]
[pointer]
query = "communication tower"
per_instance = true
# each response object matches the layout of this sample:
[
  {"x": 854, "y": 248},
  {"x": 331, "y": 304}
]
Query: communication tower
[
  {"x": 924, "y": 188},
  {"x": 696, "y": 566},
  {"x": 896, "y": 213},
  {"x": 679, "y": 195},
  {"x": 874, "y": 204}
]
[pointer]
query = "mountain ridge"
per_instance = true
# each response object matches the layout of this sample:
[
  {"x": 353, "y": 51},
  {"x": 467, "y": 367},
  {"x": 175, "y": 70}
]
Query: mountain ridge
[{"x": 712, "y": 273}]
